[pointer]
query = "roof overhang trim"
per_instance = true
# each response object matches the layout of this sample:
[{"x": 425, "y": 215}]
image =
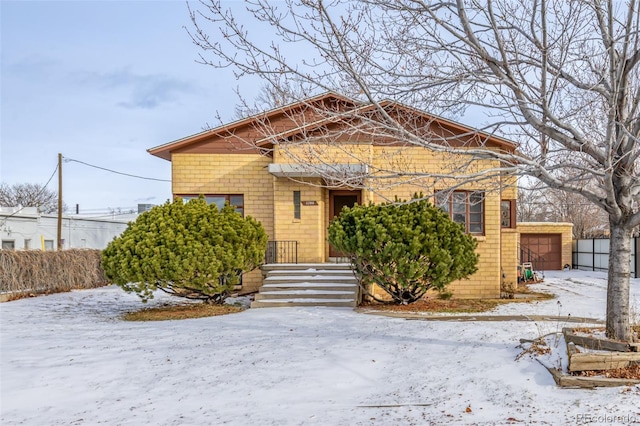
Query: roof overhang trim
[{"x": 318, "y": 170}]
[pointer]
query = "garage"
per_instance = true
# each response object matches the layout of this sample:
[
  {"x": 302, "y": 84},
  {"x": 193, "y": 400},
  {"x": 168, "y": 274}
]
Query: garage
[{"x": 545, "y": 250}]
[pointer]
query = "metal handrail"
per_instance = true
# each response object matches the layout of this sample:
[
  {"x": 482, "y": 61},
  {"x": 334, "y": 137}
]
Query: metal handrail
[
  {"x": 526, "y": 255},
  {"x": 281, "y": 252}
]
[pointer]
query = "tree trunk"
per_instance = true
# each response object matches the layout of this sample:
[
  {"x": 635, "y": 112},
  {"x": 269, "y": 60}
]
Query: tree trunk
[{"x": 618, "y": 326}]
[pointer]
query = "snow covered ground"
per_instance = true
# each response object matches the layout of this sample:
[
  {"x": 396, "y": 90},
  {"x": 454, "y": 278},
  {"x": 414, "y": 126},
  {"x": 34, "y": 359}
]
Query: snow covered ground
[{"x": 68, "y": 359}]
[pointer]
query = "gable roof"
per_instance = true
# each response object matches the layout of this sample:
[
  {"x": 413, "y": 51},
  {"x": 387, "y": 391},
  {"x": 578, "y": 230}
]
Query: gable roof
[{"x": 224, "y": 134}]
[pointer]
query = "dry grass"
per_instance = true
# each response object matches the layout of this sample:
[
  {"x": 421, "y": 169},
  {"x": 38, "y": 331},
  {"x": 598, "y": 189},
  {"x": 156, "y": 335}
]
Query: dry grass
[
  {"x": 436, "y": 305},
  {"x": 179, "y": 312},
  {"x": 631, "y": 372},
  {"x": 33, "y": 272},
  {"x": 538, "y": 347},
  {"x": 587, "y": 330},
  {"x": 523, "y": 288}
]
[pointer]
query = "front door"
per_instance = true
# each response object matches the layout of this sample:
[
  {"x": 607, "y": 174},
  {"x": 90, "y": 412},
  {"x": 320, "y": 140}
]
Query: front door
[{"x": 337, "y": 201}]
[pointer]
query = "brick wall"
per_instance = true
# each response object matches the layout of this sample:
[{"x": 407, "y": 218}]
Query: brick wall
[
  {"x": 267, "y": 197},
  {"x": 310, "y": 229},
  {"x": 509, "y": 255},
  {"x": 485, "y": 283},
  {"x": 244, "y": 174}
]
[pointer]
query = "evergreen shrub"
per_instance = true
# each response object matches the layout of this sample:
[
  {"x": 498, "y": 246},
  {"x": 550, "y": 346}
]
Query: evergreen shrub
[
  {"x": 404, "y": 248},
  {"x": 191, "y": 250}
]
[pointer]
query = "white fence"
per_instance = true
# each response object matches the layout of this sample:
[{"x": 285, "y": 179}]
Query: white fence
[{"x": 593, "y": 255}]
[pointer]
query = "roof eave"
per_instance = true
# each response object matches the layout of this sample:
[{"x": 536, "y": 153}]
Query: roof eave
[{"x": 164, "y": 151}]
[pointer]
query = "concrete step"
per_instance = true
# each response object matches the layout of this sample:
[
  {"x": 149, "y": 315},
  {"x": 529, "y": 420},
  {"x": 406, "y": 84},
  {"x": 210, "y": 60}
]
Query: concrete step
[
  {"x": 318, "y": 286},
  {"x": 281, "y": 303},
  {"x": 307, "y": 284},
  {"x": 306, "y": 266},
  {"x": 330, "y": 279},
  {"x": 310, "y": 272},
  {"x": 305, "y": 294}
]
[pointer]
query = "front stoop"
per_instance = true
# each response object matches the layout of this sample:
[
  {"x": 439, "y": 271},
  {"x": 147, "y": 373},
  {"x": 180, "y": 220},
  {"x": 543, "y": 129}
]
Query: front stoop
[{"x": 322, "y": 284}]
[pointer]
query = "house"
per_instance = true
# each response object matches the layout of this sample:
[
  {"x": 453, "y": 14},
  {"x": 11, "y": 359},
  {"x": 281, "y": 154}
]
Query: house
[
  {"x": 295, "y": 167},
  {"x": 25, "y": 228}
]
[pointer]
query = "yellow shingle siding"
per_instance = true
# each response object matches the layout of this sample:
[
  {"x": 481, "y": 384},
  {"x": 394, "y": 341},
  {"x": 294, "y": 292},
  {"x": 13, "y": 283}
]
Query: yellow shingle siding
[
  {"x": 244, "y": 174},
  {"x": 509, "y": 255},
  {"x": 485, "y": 283},
  {"x": 323, "y": 153},
  {"x": 270, "y": 199},
  {"x": 509, "y": 187},
  {"x": 310, "y": 229}
]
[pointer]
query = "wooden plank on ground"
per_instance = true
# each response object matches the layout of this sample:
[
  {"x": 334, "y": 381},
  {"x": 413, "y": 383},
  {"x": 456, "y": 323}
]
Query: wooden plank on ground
[
  {"x": 592, "y": 382},
  {"x": 595, "y": 343},
  {"x": 568, "y": 381},
  {"x": 602, "y": 361}
]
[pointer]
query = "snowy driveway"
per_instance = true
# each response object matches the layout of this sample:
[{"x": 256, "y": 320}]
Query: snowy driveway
[{"x": 68, "y": 359}]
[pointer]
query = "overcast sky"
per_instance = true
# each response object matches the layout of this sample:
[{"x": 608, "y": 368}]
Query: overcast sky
[{"x": 101, "y": 82}]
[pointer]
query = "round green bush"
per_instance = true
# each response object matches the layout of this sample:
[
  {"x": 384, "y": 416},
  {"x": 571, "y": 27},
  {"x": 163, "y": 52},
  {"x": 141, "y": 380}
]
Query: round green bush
[
  {"x": 191, "y": 250},
  {"x": 404, "y": 248}
]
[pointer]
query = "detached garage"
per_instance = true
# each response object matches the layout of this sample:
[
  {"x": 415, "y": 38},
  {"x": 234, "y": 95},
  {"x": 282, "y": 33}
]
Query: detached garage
[{"x": 546, "y": 245}]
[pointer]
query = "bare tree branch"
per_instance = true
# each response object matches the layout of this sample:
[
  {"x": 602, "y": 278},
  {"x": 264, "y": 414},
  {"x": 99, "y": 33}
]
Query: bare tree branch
[
  {"x": 29, "y": 195},
  {"x": 560, "y": 78}
]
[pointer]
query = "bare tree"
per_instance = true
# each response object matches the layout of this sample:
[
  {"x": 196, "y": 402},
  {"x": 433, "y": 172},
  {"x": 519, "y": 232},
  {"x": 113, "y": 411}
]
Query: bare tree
[
  {"x": 588, "y": 220},
  {"x": 29, "y": 195},
  {"x": 537, "y": 203},
  {"x": 561, "y": 78},
  {"x": 529, "y": 207},
  {"x": 268, "y": 97}
]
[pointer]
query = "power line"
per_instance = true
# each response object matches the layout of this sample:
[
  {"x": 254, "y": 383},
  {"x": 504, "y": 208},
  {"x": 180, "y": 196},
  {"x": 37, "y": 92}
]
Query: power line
[
  {"x": 113, "y": 171},
  {"x": 44, "y": 187},
  {"x": 50, "y": 177},
  {"x": 106, "y": 215},
  {"x": 100, "y": 210}
]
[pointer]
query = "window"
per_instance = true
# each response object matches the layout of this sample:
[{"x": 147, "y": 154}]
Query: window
[
  {"x": 464, "y": 207},
  {"x": 27, "y": 243},
  {"x": 508, "y": 213},
  {"x": 236, "y": 200},
  {"x": 48, "y": 245},
  {"x": 8, "y": 245},
  {"x": 296, "y": 205}
]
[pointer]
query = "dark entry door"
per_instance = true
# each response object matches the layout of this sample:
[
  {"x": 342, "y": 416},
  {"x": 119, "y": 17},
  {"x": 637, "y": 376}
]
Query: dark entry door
[{"x": 337, "y": 201}]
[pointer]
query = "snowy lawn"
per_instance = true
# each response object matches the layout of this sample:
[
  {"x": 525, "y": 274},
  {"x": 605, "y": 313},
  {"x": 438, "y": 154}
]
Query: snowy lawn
[{"x": 68, "y": 359}]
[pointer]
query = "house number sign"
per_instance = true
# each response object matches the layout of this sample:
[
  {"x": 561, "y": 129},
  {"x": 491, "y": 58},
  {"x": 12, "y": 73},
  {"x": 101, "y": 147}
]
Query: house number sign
[{"x": 309, "y": 203}]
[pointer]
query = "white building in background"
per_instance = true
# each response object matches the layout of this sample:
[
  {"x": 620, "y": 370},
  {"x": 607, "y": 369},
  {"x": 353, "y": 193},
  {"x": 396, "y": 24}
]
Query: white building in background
[{"x": 24, "y": 228}]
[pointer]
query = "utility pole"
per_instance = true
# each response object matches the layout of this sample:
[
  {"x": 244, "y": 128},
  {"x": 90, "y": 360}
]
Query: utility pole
[{"x": 59, "y": 201}]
